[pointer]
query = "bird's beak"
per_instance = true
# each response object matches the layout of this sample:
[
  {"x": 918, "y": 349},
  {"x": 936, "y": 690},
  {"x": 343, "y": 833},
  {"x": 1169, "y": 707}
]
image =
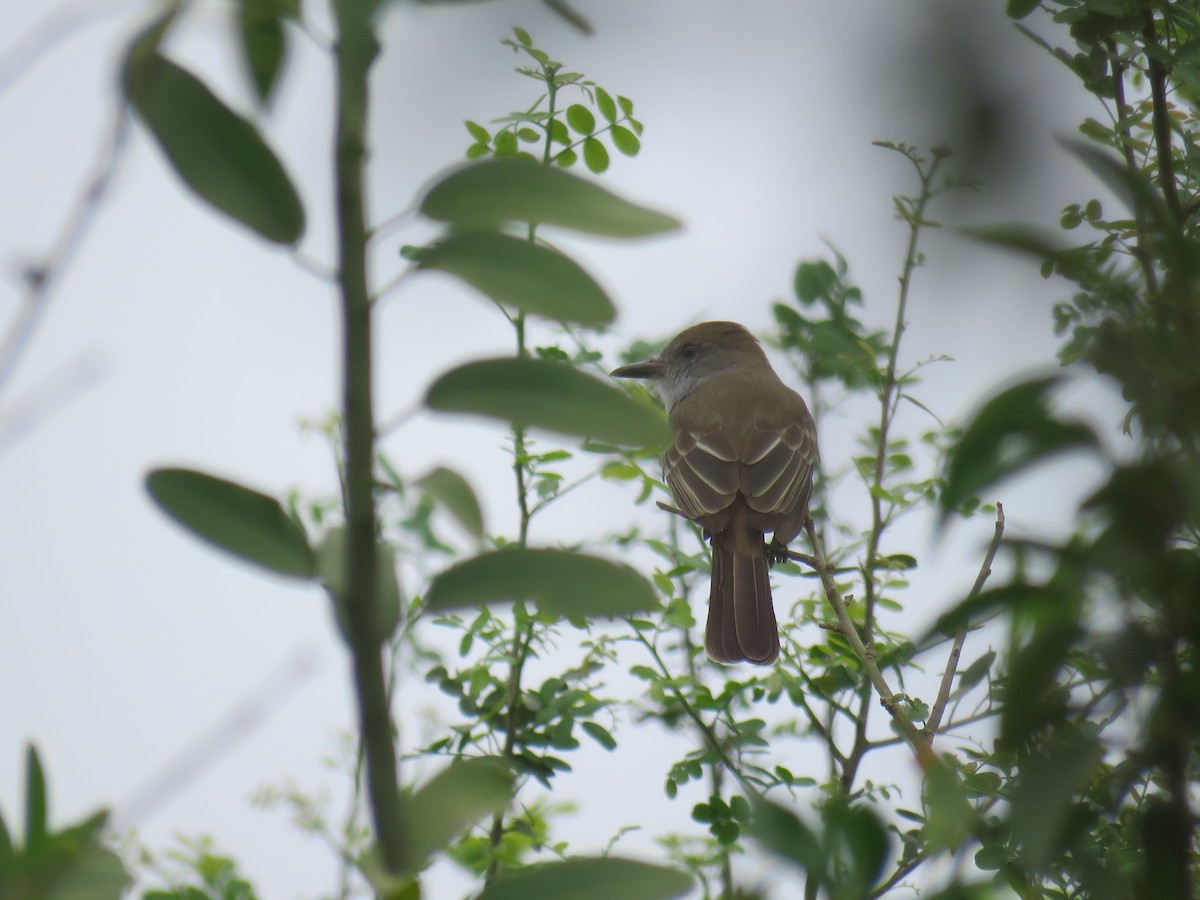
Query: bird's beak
[{"x": 648, "y": 368}]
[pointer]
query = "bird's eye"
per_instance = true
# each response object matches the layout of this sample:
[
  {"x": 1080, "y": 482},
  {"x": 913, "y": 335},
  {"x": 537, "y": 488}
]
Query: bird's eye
[{"x": 689, "y": 351}]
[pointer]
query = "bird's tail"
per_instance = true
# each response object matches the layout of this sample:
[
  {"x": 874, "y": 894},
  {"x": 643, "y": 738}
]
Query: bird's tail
[{"x": 741, "y": 616}]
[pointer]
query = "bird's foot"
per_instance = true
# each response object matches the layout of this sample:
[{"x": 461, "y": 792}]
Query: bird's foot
[{"x": 777, "y": 552}]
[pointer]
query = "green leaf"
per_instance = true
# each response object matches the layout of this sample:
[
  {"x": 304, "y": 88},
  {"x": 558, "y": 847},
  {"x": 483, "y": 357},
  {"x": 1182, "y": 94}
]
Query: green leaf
[
  {"x": 331, "y": 570},
  {"x": 860, "y": 831},
  {"x": 550, "y": 395},
  {"x": 587, "y": 878},
  {"x": 478, "y": 132},
  {"x": 595, "y": 156},
  {"x": 581, "y": 119},
  {"x": 456, "y": 494},
  {"x": 1019, "y": 9},
  {"x": 625, "y": 140},
  {"x": 1032, "y": 676},
  {"x": 606, "y": 104},
  {"x": 814, "y": 279},
  {"x": 236, "y": 519},
  {"x": 781, "y": 831},
  {"x": 522, "y": 274},
  {"x": 520, "y": 190},
  {"x": 263, "y": 43},
  {"x": 454, "y": 799},
  {"x": 36, "y": 804},
  {"x": 1049, "y": 783},
  {"x": 950, "y": 817},
  {"x": 218, "y": 154},
  {"x": 1011, "y": 432},
  {"x": 560, "y": 582},
  {"x": 600, "y": 735}
]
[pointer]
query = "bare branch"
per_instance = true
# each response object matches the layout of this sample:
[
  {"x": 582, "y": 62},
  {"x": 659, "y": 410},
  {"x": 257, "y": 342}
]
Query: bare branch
[
  {"x": 943, "y": 695},
  {"x": 41, "y": 280}
]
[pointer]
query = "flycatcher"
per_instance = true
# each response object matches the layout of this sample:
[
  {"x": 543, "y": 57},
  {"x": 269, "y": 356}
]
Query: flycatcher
[{"x": 741, "y": 464}]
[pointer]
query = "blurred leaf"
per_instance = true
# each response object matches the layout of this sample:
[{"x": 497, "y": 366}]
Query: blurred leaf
[
  {"x": 478, "y": 132},
  {"x": 456, "y": 494},
  {"x": 550, "y": 395},
  {"x": 218, "y": 154},
  {"x": 1011, "y": 432},
  {"x": 813, "y": 280},
  {"x": 236, "y": 519},
  {"x": 519, "y": 189},
  {"x": 781, "y": 831},
  {"x": 560, "y": 582},
  {"x": 1031, "y": 674},
  {"x": 1048, "y": 783},
  {"x": 454, "y": 799},
  {"x": 949, "y": 817},
  {"x": 600, "y": 734},
  {"x": 586, "y": 878},
  {"x": 36, "y": 805},
  {"x": 331, "y": 570},
  {"x": 522, "y": 274},
  {"x": 859, "y": 830},
  {"x": 263, "y": 42},
  {"x": 1019, "y": 9}
]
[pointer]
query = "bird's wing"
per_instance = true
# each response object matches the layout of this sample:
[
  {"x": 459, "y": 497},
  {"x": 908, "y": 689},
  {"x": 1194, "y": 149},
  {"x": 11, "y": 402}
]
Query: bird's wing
[
  {"x": 777, "y": 469},
  {"x": 702, "y": 472}
]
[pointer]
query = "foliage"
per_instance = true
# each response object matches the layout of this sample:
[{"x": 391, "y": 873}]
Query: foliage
[
  {"x": 55, "y": 865},
  {"x": 1098, "y": 731},
  {"x": 1061, "y": 765}
]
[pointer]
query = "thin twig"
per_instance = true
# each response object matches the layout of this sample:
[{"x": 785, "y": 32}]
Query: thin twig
[
  {"x": 943, "y": 695},
  {"x": 887, "y": 698},
  {"x": 42, "y": 279},
  {"x": 706, "y": 731}
]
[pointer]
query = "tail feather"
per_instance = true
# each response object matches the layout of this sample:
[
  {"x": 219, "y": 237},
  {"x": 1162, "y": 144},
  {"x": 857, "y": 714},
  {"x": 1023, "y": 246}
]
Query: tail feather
[{"x": 741, "y": 616}]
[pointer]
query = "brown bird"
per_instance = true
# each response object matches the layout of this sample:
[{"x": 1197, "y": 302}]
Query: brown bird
[{"x": 741, "y": 464}]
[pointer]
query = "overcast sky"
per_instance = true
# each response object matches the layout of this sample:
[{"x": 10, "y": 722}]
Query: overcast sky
[{"x": 176, "y": 337}]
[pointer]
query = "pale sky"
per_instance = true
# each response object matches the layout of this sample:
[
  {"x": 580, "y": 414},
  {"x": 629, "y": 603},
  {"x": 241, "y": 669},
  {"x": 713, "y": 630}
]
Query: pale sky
[{"x": 183, "y": 339}]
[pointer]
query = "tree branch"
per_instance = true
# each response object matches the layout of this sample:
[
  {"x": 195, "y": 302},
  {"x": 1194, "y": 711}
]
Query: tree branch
[
  {"x": 943, "y": 695},
  {"x": 42, "y": 279},
  {"x": 355, "y": 51},
  {"x": 846, "y": 627}
]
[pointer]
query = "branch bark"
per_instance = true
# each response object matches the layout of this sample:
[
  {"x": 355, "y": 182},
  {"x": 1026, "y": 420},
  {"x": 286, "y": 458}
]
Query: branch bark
[
  {"x": 355, "y": 51},
  {"x": 943, "y": 696}
]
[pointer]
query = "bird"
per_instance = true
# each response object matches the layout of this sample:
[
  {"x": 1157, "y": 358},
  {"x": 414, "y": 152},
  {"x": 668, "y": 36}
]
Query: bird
[{"x": 740, "y": 464}]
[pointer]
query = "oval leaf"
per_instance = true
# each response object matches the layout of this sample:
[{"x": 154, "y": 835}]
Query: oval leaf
[
  {"x": 560, "y": 582},
  {"x": 521, "y": 190},
  {"x": 219, "y": 155},
  {"x": 595, "y": 155},
  {"x": 331, "y": 570},
  {"x": 1011, "y": 432},
  {"x": 454, "y": 799},
  {"x": 455, "y": 493},
  {"x": 263, "y": 43},
  {"x": 522, "y": 274},
  {"x": 550, "y": 395},
  {"x": 591, "y": 879},
  {"x": 580, "y": 118},
  {"x": 243, "y": 522},
  {"x": 625, "y": 140}
]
